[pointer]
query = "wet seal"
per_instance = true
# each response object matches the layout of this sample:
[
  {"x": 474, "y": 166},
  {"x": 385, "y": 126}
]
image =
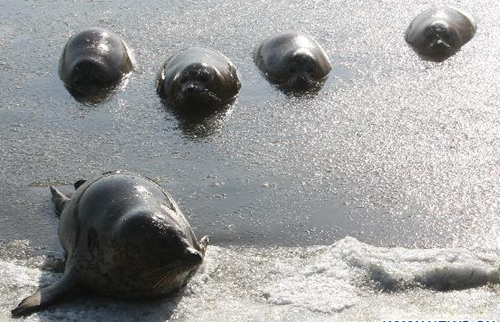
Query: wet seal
[
  {"x": 438, "y": 33},
  {"x": 294, "y": 61},
  {"x": 198, "y": 80},
  {"x": 124, "y": 237},
  {"x": 93, "y": 61}
]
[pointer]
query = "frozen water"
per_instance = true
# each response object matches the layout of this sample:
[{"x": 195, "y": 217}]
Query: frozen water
[
  {"x": 393, "y": 151},
  {"x": 347, "y": 279}
]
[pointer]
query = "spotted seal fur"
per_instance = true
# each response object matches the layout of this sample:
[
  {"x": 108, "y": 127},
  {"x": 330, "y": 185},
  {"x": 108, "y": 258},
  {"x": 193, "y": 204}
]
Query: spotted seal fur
[{"x": 125, "y": 237}]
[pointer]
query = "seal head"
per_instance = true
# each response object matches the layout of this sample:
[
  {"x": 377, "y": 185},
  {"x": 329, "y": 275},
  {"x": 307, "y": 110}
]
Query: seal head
[
  {"x": 198, "y": 79},
  {"x": 293, "y": 60},
  {"x": 125, "y": 237},
  {"x": 438, "y": 33},
  {"x": 94, "y": 59}
]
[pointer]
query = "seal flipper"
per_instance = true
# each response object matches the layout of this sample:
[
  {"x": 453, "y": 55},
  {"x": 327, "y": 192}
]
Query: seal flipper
[
  {"x": 59, "y": 200},
  {"x": 204, "y": 241},
  {"x": 46, "y": 296}
]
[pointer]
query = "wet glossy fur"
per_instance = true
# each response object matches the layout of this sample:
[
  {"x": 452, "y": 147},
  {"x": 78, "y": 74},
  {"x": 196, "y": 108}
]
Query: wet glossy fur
[{"x": 124, "y": 237}]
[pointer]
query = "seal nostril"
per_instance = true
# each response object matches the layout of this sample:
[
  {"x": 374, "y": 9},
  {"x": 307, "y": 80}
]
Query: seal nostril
[
  {"x": 190, "y": 88},
  {"x": 193, "y": 256},
  {"x": 302, "y": 80}
]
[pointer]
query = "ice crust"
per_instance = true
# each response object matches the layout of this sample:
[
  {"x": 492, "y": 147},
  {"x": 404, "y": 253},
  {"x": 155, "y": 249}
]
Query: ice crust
[{"x": 345, "y": 279}]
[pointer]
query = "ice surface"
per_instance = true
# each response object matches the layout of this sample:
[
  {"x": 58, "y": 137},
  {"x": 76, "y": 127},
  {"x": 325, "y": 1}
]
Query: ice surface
[
  {"x": 393, "y": 151},
  {"x": 348, "y": 279}
]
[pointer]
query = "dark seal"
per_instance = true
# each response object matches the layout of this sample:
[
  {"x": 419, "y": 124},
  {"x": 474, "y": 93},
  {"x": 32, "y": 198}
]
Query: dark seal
[
  {"x": 439, "y": 33},
  {"x": 93, "y": 59},
  {"x": 293, "y": 60},
  {"x": 125, "y": 237},
  {"x": 198, "y": 79}
]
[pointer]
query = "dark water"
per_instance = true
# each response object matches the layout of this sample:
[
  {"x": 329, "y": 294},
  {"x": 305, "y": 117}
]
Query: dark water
[{"x": 392, "y": 151}]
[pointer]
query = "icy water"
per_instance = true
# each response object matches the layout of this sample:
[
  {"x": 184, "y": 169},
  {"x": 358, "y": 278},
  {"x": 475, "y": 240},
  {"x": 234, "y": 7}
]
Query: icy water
[{"x": 376, "y": 199}]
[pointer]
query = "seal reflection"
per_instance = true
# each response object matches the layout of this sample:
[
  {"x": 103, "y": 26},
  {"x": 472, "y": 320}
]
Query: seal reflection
[{"x": 199, "y": 125}]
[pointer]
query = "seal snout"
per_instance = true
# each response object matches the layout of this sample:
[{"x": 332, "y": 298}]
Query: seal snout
[
  {"x": 196, "y": 79},
  {"x": 87, "y": 76},
  {"x": 192, "y": 256},
  {"x": 439, "y": 45},
  {"x": 302, "y": 81},
  {"x": 192, "y": 89}
]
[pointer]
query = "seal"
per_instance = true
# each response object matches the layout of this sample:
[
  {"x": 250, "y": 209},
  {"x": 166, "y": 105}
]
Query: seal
[
  {"x": 438, "y": 33},
  {"x": 125, "y": 237},
  {"x": 293, "y": 60},
  {"x": 93, "y": 59},
  {"x": 199, "y": 79}
]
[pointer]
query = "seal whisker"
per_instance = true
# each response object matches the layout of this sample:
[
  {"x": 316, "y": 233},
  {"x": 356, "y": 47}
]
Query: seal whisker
[
  {"x": 168, "y": 276},
  {"x": 159, "y": 270},
  {"x": 162, "y": 281},
  {"x": 212, "y": 95}
]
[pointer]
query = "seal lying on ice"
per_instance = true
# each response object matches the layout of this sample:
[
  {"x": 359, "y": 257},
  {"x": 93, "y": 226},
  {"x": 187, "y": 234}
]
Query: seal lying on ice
[{"x": 124, "y": 237}]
